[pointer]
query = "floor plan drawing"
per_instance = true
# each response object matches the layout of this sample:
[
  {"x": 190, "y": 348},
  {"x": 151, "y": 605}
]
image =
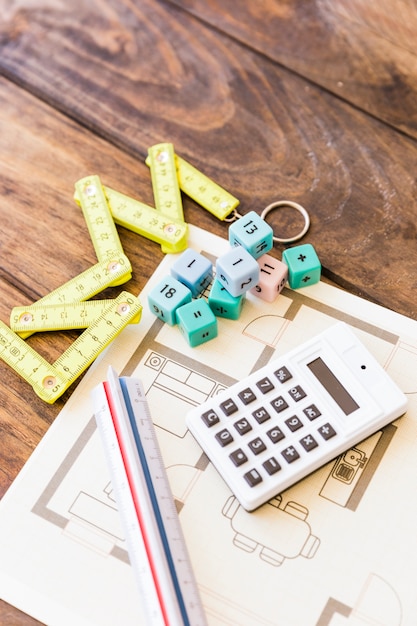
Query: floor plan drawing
[{"x": 293, "y": 545}]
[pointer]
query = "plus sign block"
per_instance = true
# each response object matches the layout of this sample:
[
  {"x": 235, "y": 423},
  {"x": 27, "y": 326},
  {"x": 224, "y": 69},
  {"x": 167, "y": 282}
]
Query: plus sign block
[
  {"x": 193, "y": 270},
  {"x": 197, "y": 322},
  {"x": 167, "y": 297},
  {"x": 253, "y": 233},
  {"x": 304, "y": 267},
  {"x": 237, "y": 270},
  {"x": 273, "y": 275},
  {"x": 222, "y": 303}
]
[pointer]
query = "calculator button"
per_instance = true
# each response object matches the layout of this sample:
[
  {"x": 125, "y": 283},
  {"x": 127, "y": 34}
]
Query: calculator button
[
  {"x": 210, "y": 418},
  {"x": 238, "y": 457},
  {"x": 297, "y": 393},
  {"x": 253, "y": 477},
  {"x": 228, "y": 407},
  {"x": 257, "y": 445},
  {"x": 265, "y": 385},
  {"x": 224, "y": 437},
  {"x": 279, "y": 404},
  {"x": 311, "y": 412},
  {"x": 275, "y": 434},
  {"x": 247, "y": 396},
  {"x": 271, "y": 465},
  {"x": 294, "y": 423},
  {"x": 309, "y": 443},
  {"x": 290, "y": 454},
  {"x": 283, "y": 374},
  {"x": 242, "y": 426},
  {"x": 261, "y": 415},
  {"x": 327, "y": 431}
]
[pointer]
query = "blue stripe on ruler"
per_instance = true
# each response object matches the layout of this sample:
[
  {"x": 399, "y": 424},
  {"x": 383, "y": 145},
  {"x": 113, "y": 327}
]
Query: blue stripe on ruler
[{"x": 154, "y": 500}]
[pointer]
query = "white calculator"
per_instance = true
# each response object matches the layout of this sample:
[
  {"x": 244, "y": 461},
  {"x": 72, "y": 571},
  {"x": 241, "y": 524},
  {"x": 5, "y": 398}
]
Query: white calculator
[{"x": 287, "y": 419}]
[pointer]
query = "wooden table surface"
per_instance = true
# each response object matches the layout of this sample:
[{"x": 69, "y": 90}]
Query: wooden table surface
[{"x": 313, "y": 102}]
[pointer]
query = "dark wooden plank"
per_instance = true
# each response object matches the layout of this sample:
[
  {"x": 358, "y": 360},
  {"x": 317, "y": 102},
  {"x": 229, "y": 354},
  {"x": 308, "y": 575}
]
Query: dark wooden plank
[
  {"x": 364, "y": 52},
  {"x": 149, "y": 73}
]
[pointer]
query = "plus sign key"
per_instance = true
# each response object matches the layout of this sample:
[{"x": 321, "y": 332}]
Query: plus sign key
[{"x": 304, "y": 267}]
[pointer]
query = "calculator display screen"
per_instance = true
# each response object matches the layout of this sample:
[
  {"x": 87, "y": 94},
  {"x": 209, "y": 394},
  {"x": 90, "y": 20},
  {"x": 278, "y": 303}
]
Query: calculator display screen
[{"x": 333, "y": 386}]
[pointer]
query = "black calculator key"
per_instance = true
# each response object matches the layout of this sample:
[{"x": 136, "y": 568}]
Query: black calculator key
[
  {"x": 290, "y": 454},
  {"x": 224, "y": 437},
  {"x": 210, "y": 418},
  {"x": 275, "y": 434},
  {"x": 242, "y": 426},
  {"x": 253, "y": 477},
  {"x": 247, "y": 396},
  {"x": 294, "y": 423},
  {"x": 327, "y": 431},
  {"x": 228, "y": 407},
  {"x": 311, "y": 412},
  {"x": 257, "y": 445},
  {"x": 265, "y": 385},
  {"x": 238, "y": 457},
  {"x": 261, "y": 415},
  {"x": 309, "y": 443},
  {"x": 297, "y": 393},
  {"x": 279, "y": 404},
  {"x": 271, "y": 465},
  {"x": 283, "y": 374}
]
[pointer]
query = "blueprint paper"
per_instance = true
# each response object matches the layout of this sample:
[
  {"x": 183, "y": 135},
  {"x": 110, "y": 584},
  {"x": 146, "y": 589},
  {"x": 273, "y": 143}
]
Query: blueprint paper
[{"x": 337, "y": 549}]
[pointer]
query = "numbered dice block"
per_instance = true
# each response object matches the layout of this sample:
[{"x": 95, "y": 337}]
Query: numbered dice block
[
  {"x": 193, "y": 270},
  {"x": 167, "y": 297},
  {"x": 273, "y": 275},
  {"x": 253, "y": 233},
  {"x": 237, "y": 270},
  {"x": 222, "y": 303},
  {"x": 304, "y": 267},
  {"x": 197, "y": 322}
]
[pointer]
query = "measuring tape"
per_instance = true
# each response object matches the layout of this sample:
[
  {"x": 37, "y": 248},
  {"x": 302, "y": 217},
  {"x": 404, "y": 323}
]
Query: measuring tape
[
  {"x": 142, "y": 219},
  {"x": 47, "y": 317},
  {"x": 50, "y": 381},
  {"x": 154, "y": 537},
  {"x": 165, "y": 185},
  {"x": 203, "y": 189},
  {"x": 88, "y": 284}
]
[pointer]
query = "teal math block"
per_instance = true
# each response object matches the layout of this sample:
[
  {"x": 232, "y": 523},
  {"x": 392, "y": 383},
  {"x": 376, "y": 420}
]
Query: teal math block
[
  {"x": 167, "y": 297},
  {"x": 304, "y": 267},
  {"x": 197, "y": 322},
  {"x": 223, "y": 304},
  {"x": 253, "y": 233}
]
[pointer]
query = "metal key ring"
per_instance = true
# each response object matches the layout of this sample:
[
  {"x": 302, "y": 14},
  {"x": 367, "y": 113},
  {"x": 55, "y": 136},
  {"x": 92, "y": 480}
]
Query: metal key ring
[{"x": 292, "y": 205}]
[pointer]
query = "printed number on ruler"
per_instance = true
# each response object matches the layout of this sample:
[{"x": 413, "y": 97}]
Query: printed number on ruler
[
  {"x": 142, "y": 219},
  {"x": 203, "y": 189},
  {"x": 88, "y": 284},
  {"x": 89, "y": 194},
  {"x": 50, "y": 381},
  {"x": 165, "y": 185},
  {"x": 48, "y": 317}
]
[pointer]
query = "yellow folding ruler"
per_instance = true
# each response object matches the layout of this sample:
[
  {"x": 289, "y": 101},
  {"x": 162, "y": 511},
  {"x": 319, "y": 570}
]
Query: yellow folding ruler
[
  {"x": 89, "y": 194},
  {"x": 166, "y": 190},
  {"x": 47, "y": 317},
  {"x": 87, "y": 284},
  {"x": 202, "y": 189},
  {"x": 49, "y": 381}
]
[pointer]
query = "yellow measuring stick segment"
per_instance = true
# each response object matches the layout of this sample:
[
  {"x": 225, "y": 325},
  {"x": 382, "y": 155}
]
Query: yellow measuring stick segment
[
  {"x": 203, "y": 189},
  {"x": 49, "y": 317},
  {"x": 88, "y": 284},
  {"x": 49, "y": 381},
  {"x": 89, "y": 194},
  {"x": 172, "y": 235},
  {"x": 165, "y": 185}
]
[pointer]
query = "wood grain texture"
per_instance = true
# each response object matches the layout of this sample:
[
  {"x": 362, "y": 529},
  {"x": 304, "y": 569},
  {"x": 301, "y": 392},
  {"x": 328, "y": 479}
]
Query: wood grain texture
[
  {"x": 261, "y": 131},
  {"x": 363, "y": 52}
]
